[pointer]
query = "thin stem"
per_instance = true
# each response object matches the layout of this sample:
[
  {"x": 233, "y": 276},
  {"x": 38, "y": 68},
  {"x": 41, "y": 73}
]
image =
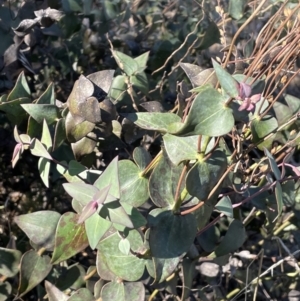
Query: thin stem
[
  {"x": 179, "y": 199},
  {"x": 232, "y": 45},
  {"x": 151, "y": 165},
  {"x": 213, "y": 222},
  {"x": 41, "y": 251},
  {"x": 90, "y": 274},
  {"x": 262, "y": 52},
  {"x": 199, "y": 143},
  {"x": 211, "y": 193}
]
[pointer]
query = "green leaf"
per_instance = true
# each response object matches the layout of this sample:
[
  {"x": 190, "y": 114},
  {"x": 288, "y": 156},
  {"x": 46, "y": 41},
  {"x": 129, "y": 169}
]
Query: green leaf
[
  {"x": 225, "y": 206},
  {"x": 68, "y": 277},
  {"x": 114, "y": 212},
  {"x": 23, "y": 138},
  {"x": 199, "y": 77},
  {"x": 119, "y": 263},
  {"x": 142, "y": 60},
  {"x": 181, "y": 148},
  {"x": 273, "y": 165},
  {"x": 135, "y": 216},
  {"x": 70, "y": 238},
  {"x": 40, "y": 227},
  {"x": 48, "y": 97},
  {"x": 13, "y": 109},
  {"x": 236, "y": 8},
  {"x": 82, "y": 294},
  {"x": 82, "y": 101},
  {"x": 60, "y": 133},
  {"x": 123, "y": 291},
  {"x": 156, "y": 121},
  {"x": 44, "y": 170},
  {"x": 163, "y": 192},
  {"x": 3, "y": 98},
  {"x": 124, "y": 246},
  {"x": 191, "y": 71},
  {"x": 282, "y": 113},
  {"x": 152, "y": 106},
  {"x": 163, "y": 267},
  {"x": 82, "y": 192},
  {"x": 204, "y": 175},
  {"x": 71, "y": 6},
  {"x": 271, "y": 211},
  {"x": 110, "y": 176},
  {"x": 96, "y": 227},
  {"x": 75, "y": 168},
  {"x": 289, "y": 193},
  {"x": 279, "y": 199},
  {"x": 20, "y": 90},
  {"x": 141, "y": 157},
  {"x": 40, "y": 112},
  {"x": 103, "y": 79},
  {"x": 126, "y": 63},
  {"x": 9, "y": 262},
  {"x": 54, "y": 293},
  {"x": 134, "y": 187},
  {"x": 140, "y": 82},
  {"x": 293, "y": 103},
  {"x": 203, "y": 214},
  {"x": 33, "y": 269},
  {"x": 188, "y": 268},
  {"x": 118, "y": 88},
  {"x": 172, "y": 235},
  {"x": 82, "y": 147},
  {"x": 62, "y": 169},
  {"x": 209, "y": 239},
  {"x": 185, "y": 148},
  {"x": 98, "y": 287},
  {"x": 38, "y": 149},
  {"x": 208, "y": 115},
  {"x": 234, "y": 238},
  {"x": 208, "y": 34},
  {"x": 5, "y": 291},
  {"x": 205, "y": 77},
  {"x": 34, "y": 129},
  {"x": 110, "y": 10},
  {"x": 261, "y": 128},
  {"x": 228, "y": 83},
  {"x": 46, "y": 136},
  {"x": 103, "y": 271}
]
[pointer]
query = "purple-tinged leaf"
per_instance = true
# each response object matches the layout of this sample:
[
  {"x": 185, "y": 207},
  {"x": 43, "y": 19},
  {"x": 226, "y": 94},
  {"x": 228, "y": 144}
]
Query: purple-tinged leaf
[
  {"x": 101, "y": 195},
  {"x": 18, "y": 150},
  {"x": 88, "y": 211},
  {"x": 244, "y": 90},
  {"x": 97, "y": 200},
  {"x": 255, "y": 98}
]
